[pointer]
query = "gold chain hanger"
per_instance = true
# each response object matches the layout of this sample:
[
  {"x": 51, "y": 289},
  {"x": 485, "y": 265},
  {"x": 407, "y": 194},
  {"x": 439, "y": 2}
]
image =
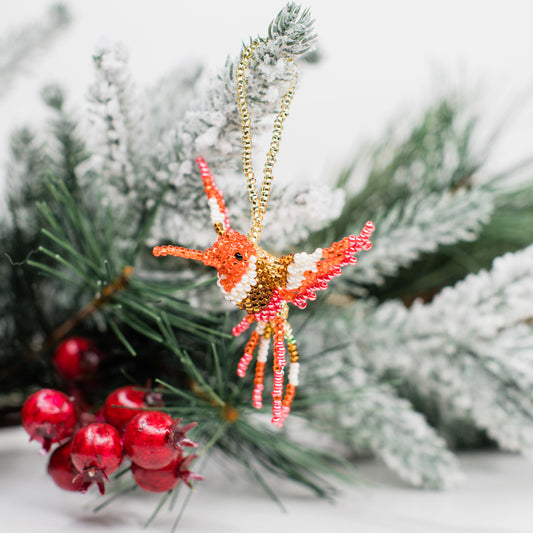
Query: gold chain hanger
[{"x": 258, "y": 205}]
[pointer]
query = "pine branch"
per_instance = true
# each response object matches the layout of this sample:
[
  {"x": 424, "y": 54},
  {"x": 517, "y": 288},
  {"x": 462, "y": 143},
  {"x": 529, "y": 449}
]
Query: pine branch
[
  {"x": 255, "y": 447},
  {"x": 166, "y": 101},
  {"x": 438, "y": 213},
  {"x": 293, "y": 212},
  {"x": 352, "y": 406},
  {"x": 468, "y": 349},
  {"x": 95, "y": 264},
  {"x": 393, "y": 431},
  {"x": 212, "y": 128},
  {"x": 293, "y": 27},
  {"x": 28, "y": 164},
  {"x": 422, "y": 224},
  {"x": 374, "y": 420},
  {"x": 416, "y": 186},
  {"x": 66, "y": 147},
  {"x": 115, "y": 123}
]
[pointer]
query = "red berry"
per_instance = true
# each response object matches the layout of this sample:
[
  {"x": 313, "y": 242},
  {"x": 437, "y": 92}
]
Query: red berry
[
  {"x": 77, "y": 358},
  {"x": 146, "y": 440},
  {"x": 62, "y": 469},
  {"x": 48, "y": 416},
  {"x": 159, "y": 480},
  {"x": 96, "y": 452},
  {"x": 123, "y": 404},
  {"x": 165, "y": 478}
]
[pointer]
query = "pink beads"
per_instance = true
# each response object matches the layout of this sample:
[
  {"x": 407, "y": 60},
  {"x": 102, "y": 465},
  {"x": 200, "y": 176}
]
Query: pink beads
[
  {"x": 242, "y": 326},
  {"x": 219, "y": 212}
]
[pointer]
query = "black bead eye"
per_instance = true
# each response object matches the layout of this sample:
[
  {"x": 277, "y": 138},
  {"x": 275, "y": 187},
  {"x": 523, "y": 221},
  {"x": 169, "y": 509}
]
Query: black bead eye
[{"x": 238, "y": 256}]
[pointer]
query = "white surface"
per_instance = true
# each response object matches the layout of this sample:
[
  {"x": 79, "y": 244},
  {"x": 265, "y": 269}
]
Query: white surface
[{"x": 496, "y": 497}]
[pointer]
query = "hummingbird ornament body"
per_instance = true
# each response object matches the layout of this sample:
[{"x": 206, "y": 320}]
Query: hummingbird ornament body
[{"x": 258, "y": 282}]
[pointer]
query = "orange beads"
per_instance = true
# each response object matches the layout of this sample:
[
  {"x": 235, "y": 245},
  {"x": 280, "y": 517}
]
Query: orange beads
[{"x": 248, "y": 354}]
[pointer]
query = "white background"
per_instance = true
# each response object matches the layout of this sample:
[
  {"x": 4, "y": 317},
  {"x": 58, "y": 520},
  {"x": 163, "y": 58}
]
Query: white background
[{"x": 382, "y": 60}]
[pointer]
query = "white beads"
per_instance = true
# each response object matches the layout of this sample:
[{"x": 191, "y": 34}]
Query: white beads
[
  {"x": 249, "y": 279},
  {"x": 294, "y": 370},
  {"x": 262, "y": 353},
  {"x": 302, "y": 263},
  {"x": 217, "y": 216}
]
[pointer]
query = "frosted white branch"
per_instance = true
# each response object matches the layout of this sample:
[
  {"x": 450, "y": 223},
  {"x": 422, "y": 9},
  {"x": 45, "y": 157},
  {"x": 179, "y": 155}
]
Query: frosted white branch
[
  {"x": 471, "y": 349},
  {"x": 371, "y": 418},
  {"x": 115, "y": 123},
  {"x": 388, "y": 426},
  {"x": 293, "y": 212},
  {"x": 420, "y": 225},
  {"x": 212, "y": 128}
]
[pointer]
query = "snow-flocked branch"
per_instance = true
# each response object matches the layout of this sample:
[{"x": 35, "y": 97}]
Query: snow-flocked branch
[
  {"x": 470, "y": 349},
  {"x": 421, "y": 224}
]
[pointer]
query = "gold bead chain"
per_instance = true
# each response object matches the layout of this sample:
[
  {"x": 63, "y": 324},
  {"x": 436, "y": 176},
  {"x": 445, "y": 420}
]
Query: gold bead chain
[{"x": 258, "y": 205}]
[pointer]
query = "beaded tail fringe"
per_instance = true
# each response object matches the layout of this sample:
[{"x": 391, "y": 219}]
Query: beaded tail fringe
[{"x": 281, "y": 331}]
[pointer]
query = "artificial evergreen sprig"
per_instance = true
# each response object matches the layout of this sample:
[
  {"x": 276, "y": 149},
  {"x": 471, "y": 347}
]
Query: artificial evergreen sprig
[
  {"x": 417, "y": 185},
  {"x": 463, "y": 369},
  {"x": 421, "y": 224},
  {"x": 93, "y": 266},
  {"x": 115, "y": 176},
  {"x": 143, "y": 159},
  {"x": 439, "y": 213},
  {"x": 212, "y": 128},
  {"x": 473, "y": 365},
  {"x": 369, "y": 417},
  {"x": 413, "y": 190}
]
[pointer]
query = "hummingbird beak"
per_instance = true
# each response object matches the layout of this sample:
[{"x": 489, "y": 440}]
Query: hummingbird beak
[{"x": 179, "y": 251}]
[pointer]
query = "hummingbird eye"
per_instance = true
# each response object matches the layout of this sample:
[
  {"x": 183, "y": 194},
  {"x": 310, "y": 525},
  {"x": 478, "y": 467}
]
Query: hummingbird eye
[{"x": 238, "y": 256}]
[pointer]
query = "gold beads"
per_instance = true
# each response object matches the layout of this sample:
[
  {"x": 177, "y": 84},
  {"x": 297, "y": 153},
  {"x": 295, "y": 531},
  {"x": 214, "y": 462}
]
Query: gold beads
[{"x": 258, "y": 205}]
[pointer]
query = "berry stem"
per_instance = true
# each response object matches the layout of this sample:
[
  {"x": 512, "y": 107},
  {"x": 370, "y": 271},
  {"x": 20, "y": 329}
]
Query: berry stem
[
  {"x": 177, "y": 435},
  {"x": 91, "y": 475}
]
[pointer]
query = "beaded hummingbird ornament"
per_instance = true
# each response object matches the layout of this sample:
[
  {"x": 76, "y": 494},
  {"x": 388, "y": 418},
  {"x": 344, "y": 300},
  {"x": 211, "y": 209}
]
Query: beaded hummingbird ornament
[{"x": 256, "y": 281}]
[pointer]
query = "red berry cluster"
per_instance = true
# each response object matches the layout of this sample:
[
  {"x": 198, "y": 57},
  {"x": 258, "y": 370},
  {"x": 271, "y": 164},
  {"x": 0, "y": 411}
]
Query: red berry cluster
[
  {"x": 91, "y": 448},
  {"x": 85, "y": 455}
]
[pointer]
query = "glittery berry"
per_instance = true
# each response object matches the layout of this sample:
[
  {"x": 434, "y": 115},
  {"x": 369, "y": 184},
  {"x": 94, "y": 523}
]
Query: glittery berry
[
  {"x": 76, "y": 359},
  {"x": 165, "y": 478},
  {"x": 96, "y": 452},
  {"x": 159, "y": 480},
  {"x": 62, "y": 469},
  {"x": 153, "y": 439},
  {"x": 125, "y": 403},
  {"x": 48, "y": 416}
]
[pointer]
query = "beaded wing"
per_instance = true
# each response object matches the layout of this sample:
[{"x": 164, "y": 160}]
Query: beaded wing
[{"x": 258, "y": 282}]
